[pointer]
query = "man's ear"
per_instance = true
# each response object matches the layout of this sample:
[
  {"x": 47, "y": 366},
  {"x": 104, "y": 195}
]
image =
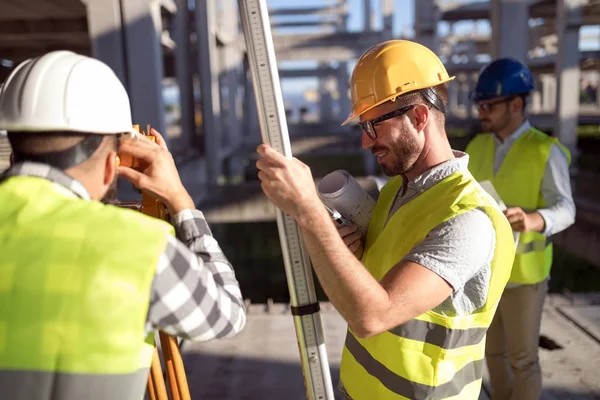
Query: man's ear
[
  {"x": 517, "y": 105},
  {"x": 422, "y": 114},
  {"x": 110, "y": 167}
]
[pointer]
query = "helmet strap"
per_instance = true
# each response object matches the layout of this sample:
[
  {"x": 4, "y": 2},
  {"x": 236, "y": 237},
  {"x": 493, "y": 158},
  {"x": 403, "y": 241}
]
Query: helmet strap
[
  {"x": 64, "y": 159},
  {"x": 432, "y": 97}
]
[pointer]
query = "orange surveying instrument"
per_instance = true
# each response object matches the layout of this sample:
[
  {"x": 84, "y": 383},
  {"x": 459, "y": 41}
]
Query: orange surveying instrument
[{"x": 177, "y": 382}]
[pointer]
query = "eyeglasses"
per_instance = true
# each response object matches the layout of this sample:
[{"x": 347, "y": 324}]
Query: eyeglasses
[
  {"x": 369, "y": 126},
  {"x": 487, "y": 107}
]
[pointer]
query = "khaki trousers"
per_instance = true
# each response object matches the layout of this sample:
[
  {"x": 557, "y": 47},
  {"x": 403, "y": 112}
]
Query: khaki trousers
[{"x": 512, "y": 344}]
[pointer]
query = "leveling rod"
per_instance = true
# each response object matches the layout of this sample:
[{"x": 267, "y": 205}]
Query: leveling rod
[{"x": 274, "y": 131}]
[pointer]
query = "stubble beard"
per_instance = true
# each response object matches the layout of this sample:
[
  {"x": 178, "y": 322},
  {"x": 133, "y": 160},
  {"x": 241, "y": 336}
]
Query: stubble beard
[{"x": 405, "y": 154}]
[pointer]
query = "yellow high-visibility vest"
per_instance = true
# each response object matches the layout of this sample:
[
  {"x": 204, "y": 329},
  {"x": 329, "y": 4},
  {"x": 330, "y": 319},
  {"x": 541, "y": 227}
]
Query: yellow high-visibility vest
[
  {"x": 75, "y": 282},
  {"x": 519, "y": 182},
  {"x": 433, "y": 356}
]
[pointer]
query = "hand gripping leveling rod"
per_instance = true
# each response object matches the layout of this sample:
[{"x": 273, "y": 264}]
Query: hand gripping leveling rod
[{"x": 273, "y": 126}]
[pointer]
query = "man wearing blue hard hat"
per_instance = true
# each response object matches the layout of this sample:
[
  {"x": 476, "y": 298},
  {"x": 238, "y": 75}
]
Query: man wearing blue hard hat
[{"x": 530, "y": 172}]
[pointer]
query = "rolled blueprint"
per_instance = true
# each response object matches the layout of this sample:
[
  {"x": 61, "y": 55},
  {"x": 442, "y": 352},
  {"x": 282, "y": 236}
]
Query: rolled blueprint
[{"x": 340, "y": 192}]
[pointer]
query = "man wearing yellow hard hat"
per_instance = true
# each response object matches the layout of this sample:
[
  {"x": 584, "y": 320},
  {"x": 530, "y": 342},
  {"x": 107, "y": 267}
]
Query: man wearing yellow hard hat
[{"x": 419, "y": 294}]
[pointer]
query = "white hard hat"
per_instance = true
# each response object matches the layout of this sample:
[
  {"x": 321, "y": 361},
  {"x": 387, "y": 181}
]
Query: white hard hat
[{"x": 64, "y": 91}]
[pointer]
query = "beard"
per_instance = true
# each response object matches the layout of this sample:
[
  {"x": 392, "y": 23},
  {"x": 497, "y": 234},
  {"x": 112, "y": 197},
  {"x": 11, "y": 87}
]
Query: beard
[
  {"x": 495, "y": 126},
  {"x": 402, "y": 155},
  {"x": 110, "y": 197}
]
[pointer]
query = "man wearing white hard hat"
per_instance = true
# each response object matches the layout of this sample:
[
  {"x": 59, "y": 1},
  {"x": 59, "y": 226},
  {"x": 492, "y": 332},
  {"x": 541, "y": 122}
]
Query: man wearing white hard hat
[{"x": 83, "y": 285}]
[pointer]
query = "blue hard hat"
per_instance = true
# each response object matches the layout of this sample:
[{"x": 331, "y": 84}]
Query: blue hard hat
[{"x": 503, "y": 77}]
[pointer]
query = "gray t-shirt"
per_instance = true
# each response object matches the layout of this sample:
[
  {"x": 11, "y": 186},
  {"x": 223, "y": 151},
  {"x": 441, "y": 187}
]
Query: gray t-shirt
[{"x": 460, "y": 250}]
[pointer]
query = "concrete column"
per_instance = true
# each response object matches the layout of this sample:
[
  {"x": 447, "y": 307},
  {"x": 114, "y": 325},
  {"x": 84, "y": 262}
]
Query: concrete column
[
  {"x": 231, "y": 65},
  {"x": 569, "y": 18},
  {"x": 536, "y": 102},
  {"x": 452, "y": 98},
  {"x": 510, "y": 28},
  {"x": 367, "y": 15},
  {"x": 325, "y": 97},
  {"x": 343, "y": 86},
  {"x": 144, "y": 58},
  {"x": 126, "y": 36},
  {"x": 387, "y": 7},
  {"x": 426, "y": 20},
  {"x": 209, "y": 87},
  {"x": 343, "y": 78},
  {"x": 471, "y": 83},
  {"x": 106, "y": 34},
  {"x": 227, "y": 32},
  {"x": 462, "y": 84},
  {"x": 183, "y": 71},
  {"x": 548, "y": 93}
]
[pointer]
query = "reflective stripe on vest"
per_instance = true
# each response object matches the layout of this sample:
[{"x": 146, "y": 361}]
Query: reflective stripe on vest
[
  {"x": 439, "y": 335},
  {"x": 75, "y": 281},
  {"x": 518, "y": 182},
  {"x": 536, "y": 245},
  {"x": 433, "y": 355},
  {"x": 27, "y": 385},
  {"x": 469, "y": 373}
]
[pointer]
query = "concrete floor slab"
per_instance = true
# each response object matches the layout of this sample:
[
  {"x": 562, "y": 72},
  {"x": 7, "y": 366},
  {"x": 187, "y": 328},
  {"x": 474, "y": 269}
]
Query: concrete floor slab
[
  {"x": 263, "y": 362},
  {"x": 586, "y": 317}
]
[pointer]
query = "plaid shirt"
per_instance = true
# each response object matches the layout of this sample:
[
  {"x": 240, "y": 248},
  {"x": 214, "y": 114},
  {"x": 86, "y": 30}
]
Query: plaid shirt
[{"x": 194, "y": 294}]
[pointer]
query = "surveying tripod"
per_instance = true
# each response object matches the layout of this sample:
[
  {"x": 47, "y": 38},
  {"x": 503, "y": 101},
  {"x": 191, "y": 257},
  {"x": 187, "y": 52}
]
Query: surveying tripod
[{"x": 175, "y": 371}]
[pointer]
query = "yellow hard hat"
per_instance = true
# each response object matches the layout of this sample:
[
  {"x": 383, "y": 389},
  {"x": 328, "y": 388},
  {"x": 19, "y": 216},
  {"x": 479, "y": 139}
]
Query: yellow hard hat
[{"x": 390, "y": 69}]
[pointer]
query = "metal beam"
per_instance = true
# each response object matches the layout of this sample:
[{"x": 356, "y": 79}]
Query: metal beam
[
  {"x": 44, "y": 26},
  {"x": 319, "y": 47},
  {"x": 286, "y": 24},
  {"x": 55, "y": 9},
  {"x": 340, "y": 46},
  {"x": 340, "y": 9},
  {"x": 589, "y": 60},
  {"x": 460, "y": 10},
  {"x": 350, "y": 40},
  {"x": 18, "y": 54},
  {"x": 307, "y": 73}
]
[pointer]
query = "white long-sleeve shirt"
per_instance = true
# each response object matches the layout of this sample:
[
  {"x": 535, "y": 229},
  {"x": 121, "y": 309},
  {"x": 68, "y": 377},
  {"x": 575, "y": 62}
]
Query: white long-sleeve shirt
[{"x": 559, "y": 213}]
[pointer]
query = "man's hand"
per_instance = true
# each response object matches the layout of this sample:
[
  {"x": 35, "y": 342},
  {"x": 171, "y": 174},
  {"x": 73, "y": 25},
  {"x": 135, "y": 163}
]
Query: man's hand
[
  {"x": 352, "y": 238},
  {"x": 157, "y": 174},
  {"x": 287, "y": 183},
  {"x": 520, "y": 221}
]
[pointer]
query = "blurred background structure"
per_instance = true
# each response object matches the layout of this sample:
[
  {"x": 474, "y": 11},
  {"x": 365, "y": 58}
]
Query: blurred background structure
[{"x": 185, "y": 67}]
